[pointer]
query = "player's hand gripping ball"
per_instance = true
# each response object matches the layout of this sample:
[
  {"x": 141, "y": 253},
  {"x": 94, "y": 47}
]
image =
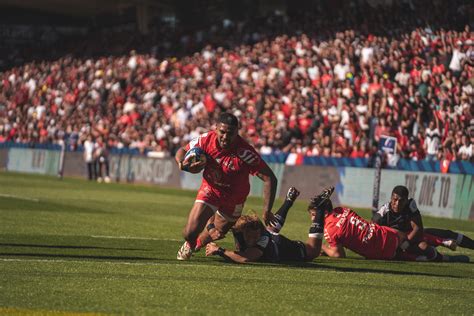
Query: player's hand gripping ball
[{"x": 194, "y": 160}]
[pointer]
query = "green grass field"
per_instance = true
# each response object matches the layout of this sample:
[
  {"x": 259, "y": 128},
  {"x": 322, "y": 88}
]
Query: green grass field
[{"x": 72, "y": 246}]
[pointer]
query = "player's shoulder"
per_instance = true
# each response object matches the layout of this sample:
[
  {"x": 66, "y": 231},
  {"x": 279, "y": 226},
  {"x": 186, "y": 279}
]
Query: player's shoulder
[
  {"x": 340, "y": 210},
  {"x": 208, "y": 135},
  {"x": 203, "y": 139},
  {"x": 246, "y": 152},
  {"x": 412, "y": 207}
]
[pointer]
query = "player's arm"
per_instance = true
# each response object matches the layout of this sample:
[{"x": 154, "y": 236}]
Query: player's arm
[
  {"x": 269, "y": 192},
  {"x": 416, "y": 223},
  {"x": 416, "y": 233},
  {"x": 248, "y": 255},
  {"x": 179, "y": 157},
  {"x": 336, "y": 251}
]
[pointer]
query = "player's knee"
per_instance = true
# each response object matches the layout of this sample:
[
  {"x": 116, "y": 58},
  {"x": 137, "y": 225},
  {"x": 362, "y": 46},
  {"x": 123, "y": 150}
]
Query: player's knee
[{"x": 217, "y": 234}]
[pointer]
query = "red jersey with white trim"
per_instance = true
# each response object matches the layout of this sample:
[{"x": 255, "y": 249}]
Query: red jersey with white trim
[
  {"x": 344, "y": 227},
  {"x": 227, "y": 170}
]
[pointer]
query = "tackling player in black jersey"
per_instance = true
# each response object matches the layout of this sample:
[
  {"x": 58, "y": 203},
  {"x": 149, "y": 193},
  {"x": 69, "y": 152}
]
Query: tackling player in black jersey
[{"x": 255, "y": 242}]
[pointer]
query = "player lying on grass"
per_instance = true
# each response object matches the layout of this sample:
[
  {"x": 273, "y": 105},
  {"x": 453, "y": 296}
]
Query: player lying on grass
[
  {"x": 402, "y": 214},
  {"x": 346, "y": 229},
  {"x": 256, "y": 242}
]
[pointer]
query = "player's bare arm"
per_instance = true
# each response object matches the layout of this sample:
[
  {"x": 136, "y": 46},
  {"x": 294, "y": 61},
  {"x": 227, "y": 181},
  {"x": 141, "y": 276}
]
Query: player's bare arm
[
  {"x": 334, "y": 252},
  {"x": 416, "y": 233},
  {"x": 249, "y": 255},
  {"x": 269, "y": 192}
]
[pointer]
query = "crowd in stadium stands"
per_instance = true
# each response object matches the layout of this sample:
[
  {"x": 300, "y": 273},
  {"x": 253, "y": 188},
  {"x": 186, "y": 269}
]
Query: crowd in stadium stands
[{"x": 329, "y": 86}]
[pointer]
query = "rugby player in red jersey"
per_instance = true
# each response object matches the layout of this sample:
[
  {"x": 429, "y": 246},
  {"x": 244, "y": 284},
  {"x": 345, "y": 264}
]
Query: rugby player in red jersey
[
  {"x": 225, "y": 184},
  {"x": 344, "y": 228}
]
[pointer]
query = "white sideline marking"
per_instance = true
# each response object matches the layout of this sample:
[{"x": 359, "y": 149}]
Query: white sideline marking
[
  {"x": 132, "y": 237},
  {"x": 178, "y": 263},
  {"x": 18, "y": 197}
]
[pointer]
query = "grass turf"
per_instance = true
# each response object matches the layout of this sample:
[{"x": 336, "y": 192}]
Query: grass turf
[{"x": 73, "y": 246}]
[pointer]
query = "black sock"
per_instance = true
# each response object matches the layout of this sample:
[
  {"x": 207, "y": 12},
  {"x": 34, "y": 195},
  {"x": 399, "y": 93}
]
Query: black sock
[
  {"x": 466, "y": 242},
  {"x": 283, "y": 212}
]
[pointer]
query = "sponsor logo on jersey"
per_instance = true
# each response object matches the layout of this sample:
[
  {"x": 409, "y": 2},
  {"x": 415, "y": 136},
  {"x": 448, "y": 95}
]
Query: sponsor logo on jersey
[{"x": 249, "y": 157}]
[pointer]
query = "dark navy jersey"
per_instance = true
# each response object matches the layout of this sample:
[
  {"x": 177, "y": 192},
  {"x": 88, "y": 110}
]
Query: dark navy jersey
[
  {"x": 401, "y": 221},
  {"x": 275, "y": 247}
]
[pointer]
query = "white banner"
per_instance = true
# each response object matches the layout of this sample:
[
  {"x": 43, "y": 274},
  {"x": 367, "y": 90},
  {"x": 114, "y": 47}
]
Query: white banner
[
  {"x": 33, "y": 160},
  {"x": 433, "y": 192}
]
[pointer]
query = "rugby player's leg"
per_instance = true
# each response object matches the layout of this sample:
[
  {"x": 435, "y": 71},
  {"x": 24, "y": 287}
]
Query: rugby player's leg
[
  {"x": 461, "y": 240},
  {"x": 436, "y": 241},
  {"x": 282, "y": 212},
  {"x": 315, "y": 235},
  {"x": 223, "y": 221},
  {"x": 419, "y": 252},
  {"x": 197, "y": 220}
]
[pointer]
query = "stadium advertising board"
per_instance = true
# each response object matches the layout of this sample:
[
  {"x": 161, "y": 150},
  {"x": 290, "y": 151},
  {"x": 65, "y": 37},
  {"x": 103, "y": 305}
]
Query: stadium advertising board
[
  {"x": 256, "y": 185},
  {"x": 142, "y": 169},
  {"x": 464, "y": 201},
  {"x": 310, "y": 180},
  {"x": 3, "y": 158},
  {"x": 74, "y": 165},
  {"x": 435, "y": 193},
  {"x": 33, "y": 160},
  {"x": 191, "y": 181}
]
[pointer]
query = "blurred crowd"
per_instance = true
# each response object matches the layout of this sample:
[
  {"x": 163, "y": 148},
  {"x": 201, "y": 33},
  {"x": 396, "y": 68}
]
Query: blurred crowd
[{"x": 327, "y": 82}]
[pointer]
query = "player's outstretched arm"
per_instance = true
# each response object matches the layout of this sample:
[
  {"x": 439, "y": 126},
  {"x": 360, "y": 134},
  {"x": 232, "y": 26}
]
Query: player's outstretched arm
[
  {"x": 269, "y": 192},
  {"x": 335, "y": 252},
  {"x": 249, "y": 255}
]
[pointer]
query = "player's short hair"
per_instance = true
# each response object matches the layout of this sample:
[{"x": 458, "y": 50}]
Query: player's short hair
[
  {"x": 401, "y": 191},
  {"x": 229, "y": 119},
  {"x": 248, "y": 222}
]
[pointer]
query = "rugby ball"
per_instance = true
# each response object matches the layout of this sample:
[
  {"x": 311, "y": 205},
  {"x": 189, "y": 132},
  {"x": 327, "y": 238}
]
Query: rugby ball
[{"x": 195, "y": 154}]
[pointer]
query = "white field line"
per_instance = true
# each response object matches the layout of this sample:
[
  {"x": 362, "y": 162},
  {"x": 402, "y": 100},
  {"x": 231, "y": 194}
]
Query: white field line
[
  {"x": 133, "y": 237},
  {"x": 156, "y": 264},
  {"x": 18, "y": 197}
]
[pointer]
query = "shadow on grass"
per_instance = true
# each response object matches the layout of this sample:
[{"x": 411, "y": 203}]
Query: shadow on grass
[
  {"x": 66, "y": 247},
  {"x": 320, "y": 266},
  {"x": 52, "y": 256},
  {"x": 366, "y": 270},
  {"x": 19, "y": 204}
]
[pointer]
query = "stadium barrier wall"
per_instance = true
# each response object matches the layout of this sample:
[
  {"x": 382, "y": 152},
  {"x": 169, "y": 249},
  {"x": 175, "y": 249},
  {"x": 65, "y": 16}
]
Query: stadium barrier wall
[
  {"x": 130, "y": 168},
  {"x": 3, "y": 158},
  {"x": 40, "y": 161},
  {"x": 74, "y": 165},
  {"x": 456, "y": 167},
  {"x": 434, "y": 193},
  {"x": 437, "y": 194}
]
